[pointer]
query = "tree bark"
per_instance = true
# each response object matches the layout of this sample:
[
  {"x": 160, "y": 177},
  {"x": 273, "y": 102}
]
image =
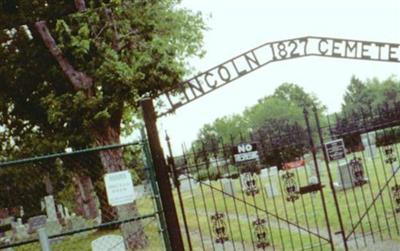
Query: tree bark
[
  {"x": 134, "y": 236},
  {"x": 79, "y": 80},
  {"x": 85, "y": 197},
  {"x": 133, "y": 232}
]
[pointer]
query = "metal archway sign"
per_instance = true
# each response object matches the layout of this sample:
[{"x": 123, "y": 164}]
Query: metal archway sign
[{"x": 249, "y": 61}]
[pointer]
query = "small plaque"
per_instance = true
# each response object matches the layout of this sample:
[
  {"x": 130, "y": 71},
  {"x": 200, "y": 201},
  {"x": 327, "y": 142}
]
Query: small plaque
[
  {"x": 119, "y": 187},
  {"x": 335, "y": 149}
]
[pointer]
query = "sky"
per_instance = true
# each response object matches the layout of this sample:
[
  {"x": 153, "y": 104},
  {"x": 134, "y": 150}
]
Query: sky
[{"x": 236, "y": 26}]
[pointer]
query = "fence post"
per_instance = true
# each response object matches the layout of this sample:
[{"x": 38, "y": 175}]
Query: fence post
[
  {"x": 178, "y": 189},
  {"x": 162, "y": 176},
  {"x": 313, "y": 151},
  {"x": 321, "y": 138},
  {"x": 150, "y": 167},
  {"x": 44, "y": 240}
]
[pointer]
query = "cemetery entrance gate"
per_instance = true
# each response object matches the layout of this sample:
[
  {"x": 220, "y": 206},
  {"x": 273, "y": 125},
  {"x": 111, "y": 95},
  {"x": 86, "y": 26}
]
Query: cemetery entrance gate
[{"x": 316, "y": 185}]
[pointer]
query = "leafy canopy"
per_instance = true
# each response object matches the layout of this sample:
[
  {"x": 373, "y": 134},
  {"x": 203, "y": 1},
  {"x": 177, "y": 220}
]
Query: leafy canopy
[{"x": 128, "y": 48}]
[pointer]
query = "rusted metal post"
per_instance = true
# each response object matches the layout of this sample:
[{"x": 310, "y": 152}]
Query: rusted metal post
[{"x": 162, "y": 176}]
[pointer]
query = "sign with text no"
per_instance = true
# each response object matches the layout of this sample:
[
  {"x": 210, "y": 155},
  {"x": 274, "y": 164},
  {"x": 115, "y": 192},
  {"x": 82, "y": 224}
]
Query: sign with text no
[
  {"x": 245, "y": 152},
  {"x": 335, "y": 149},
  {"x": 119, "y": 188}
]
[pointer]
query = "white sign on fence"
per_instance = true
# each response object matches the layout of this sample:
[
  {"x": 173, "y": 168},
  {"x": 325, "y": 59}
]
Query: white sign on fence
[
  {"x": 119, "y": 187},
  {"x": 245, "y": 152}
]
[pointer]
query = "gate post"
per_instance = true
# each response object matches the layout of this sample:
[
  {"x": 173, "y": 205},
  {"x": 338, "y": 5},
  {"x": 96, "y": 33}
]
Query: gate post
[
  {"x": 167, "y": 199},
  {"x": 313, "y": 150},
  {"x": 330, "y": 179}
]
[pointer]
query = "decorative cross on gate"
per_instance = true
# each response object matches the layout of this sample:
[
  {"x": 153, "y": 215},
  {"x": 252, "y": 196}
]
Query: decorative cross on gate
[
  {"x": 219, "y": 227},
  {"x": 396, "y": 197},
  {"x": 291, "y": 186},
  {"x": 260, "y": 233},
  {"x": 390, "y": 157},
  {"x": 250, "y": 184}
]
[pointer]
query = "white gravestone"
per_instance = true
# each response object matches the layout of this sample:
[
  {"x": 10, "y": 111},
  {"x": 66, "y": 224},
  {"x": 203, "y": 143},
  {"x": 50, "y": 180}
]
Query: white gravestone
[
  {"x": 186, "y": 184},
  {"x": 108, "y": 242},
  {"x": 369, "y": 142},
  {"x": 264, "y": 173},
  {"x": 21, "y": 231},
  {"x": 67, "y": 215},
  {"x": 61, "y": 210},
  {"x": 344, "y": 176},
  {"x": 227, "y": 187},
  {"x": 50, "y": 208},
  {"x": 271, "y": 189}
]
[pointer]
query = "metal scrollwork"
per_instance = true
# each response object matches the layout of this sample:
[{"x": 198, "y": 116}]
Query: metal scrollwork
[
  {"x": 396, "y": 197},
  {"x": 290, "y": 186},
  {"x": 389, "y": 154},
  {"x": 250, "y": 184},
  {"x": 260, "y": 233},
  {"x": 358, "y": 172},
  {"x": 219, "y": 227}
]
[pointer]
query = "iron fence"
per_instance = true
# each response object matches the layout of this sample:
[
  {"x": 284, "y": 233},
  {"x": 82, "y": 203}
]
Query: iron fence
[{"x": 279, "y": 188}]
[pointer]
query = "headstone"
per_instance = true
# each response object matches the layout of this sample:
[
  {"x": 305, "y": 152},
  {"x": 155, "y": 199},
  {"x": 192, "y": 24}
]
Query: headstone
[
  {"x": 21, "y": 231},
  {"x": 108, "y": 242},
  {"x": 264, "y": 173},
  {"x": 369, "y": 142},
  {"x": 61, "y": 211},
  {"x": 186, "y": 184},
  {"x": 273, "y": 171},
  {"x": 67, "y": 215},
  {"x": 271, "y": 189},
  {"x": 344, "y": 176},
  {"x": 227, "y": 187},
  {"x": 36, "y": 222},
  {"x": 350, "y": 174},
  {"x": 50, "y": 208}
]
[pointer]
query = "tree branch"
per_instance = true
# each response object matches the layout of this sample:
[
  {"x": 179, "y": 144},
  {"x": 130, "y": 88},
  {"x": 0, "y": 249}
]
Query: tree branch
[
  {"x": 79, "y": 80},
  {"x": 80, "y": 5},
  {"x": 116, "y": 38}
]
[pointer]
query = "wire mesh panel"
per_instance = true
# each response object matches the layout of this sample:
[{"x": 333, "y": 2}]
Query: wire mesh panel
[{"x": 65, "y": 195}]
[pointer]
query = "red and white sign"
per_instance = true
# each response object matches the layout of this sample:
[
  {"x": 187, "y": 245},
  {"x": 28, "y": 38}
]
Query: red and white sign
[{"x": 293, "y": 164}]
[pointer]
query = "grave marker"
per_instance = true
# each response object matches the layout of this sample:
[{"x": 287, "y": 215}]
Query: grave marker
[{"x": 108, "y": 242}]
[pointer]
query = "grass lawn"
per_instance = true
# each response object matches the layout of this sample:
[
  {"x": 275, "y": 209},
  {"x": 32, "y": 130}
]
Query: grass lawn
[{"x": 367, "y": 211}]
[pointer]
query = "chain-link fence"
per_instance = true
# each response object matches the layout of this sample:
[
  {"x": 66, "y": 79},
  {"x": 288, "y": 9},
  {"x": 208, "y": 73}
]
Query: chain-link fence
[{"x": 64, "y": 195}]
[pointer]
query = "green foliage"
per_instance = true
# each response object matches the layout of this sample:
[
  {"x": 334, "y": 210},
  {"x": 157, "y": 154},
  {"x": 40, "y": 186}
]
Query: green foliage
[
  {"x": 128, "y": 48},
  {"x": 284, "y": 107},
  {"x": 361, "y": 95}
]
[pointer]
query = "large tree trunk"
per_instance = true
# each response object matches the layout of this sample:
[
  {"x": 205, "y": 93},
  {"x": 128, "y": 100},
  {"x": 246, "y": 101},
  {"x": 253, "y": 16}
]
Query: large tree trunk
[
  {"x": 112, "y": 161},
  {"x": 85, "y": 197}
]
